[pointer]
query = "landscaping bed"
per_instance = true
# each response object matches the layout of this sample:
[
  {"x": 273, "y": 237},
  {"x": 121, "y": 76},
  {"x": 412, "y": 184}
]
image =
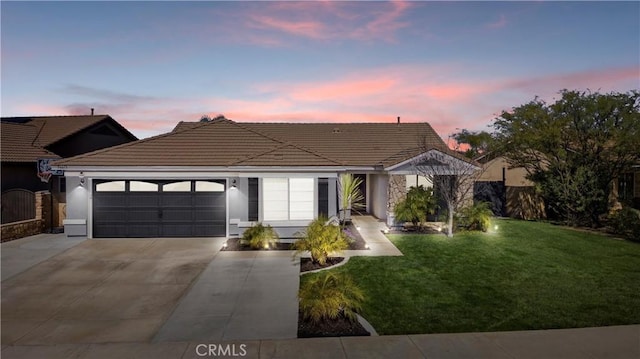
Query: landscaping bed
[
  {"x": 340, "y": 327},
  {"x": 358, "y": 243},
  {"x": 306, "y": 265}
]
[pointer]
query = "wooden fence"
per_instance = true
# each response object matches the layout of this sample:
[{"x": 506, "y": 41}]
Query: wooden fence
[{"x": 18, "y": 205}]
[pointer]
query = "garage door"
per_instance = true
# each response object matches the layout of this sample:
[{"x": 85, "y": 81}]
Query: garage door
[{"x": 148, "y": 208}]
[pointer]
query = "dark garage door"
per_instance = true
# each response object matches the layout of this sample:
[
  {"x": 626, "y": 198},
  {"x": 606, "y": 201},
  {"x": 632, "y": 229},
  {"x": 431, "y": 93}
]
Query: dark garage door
[{"x": 144, "y": 208}]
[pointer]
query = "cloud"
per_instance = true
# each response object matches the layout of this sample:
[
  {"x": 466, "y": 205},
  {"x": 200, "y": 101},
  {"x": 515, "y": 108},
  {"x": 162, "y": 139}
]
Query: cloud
[
  {"x": 500, "y": 23},
  {"x": 309, "y": 29},
  {"x": 448, "y": 97},
  {"x": 276, "y": 23}
]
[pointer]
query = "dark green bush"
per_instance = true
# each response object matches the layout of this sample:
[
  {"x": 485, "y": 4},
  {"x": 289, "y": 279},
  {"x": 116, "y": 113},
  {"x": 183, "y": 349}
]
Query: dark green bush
[
  {"x": 626, "y": 222},
  {"x": 260, "y": 236},
  {"x": 476, "y": 217},
  {"x": 416, "y": 205}
]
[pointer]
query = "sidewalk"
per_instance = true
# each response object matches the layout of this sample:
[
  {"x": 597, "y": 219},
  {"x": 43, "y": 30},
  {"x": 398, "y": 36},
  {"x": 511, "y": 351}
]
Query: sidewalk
[
  {"x": 619, "y": 342},
  {"x": 371, "y": 230}
]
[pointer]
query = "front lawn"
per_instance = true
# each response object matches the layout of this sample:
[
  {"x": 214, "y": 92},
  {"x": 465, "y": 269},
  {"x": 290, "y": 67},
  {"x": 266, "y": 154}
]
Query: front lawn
[{"x": 527, "y": 275}]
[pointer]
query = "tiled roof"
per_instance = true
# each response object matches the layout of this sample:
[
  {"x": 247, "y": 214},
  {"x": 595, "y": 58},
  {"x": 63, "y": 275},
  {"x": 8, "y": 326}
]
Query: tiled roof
[
  {"x": 228, "y": 143},
  {"x": 54, "y": 128},
  {"x": 24, "y": 139},
  {"x": 17, "y": 143}
]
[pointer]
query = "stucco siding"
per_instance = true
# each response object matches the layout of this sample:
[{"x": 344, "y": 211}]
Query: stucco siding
[{"x": 379, "y": 195}]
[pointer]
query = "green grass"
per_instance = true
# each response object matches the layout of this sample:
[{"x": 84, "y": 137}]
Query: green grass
[{"x": 525, "y": 276}]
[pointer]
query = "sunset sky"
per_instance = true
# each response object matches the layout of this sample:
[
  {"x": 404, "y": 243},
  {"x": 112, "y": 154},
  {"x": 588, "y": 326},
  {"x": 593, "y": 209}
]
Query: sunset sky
[{"x": 456, "y": 65}]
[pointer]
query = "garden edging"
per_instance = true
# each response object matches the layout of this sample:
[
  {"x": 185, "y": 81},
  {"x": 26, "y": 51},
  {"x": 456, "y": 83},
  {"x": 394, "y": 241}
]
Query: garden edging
[{"x": 345, "y": 260}]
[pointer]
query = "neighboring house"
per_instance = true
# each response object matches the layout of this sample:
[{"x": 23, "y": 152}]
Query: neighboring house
[
  {"x": 217, "y": 178},
  {"x": 27, "y": 139},
  {"x": 507, "y": 189}
]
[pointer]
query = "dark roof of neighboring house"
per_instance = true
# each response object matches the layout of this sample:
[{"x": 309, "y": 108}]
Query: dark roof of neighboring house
[
  {"x": 229, "y": 143},
  {"x": 24, "y": 139},
  {"x": 17, "y": 143}
]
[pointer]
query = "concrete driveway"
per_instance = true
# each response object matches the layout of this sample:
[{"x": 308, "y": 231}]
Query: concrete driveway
[{"x": 101, "y": 290}]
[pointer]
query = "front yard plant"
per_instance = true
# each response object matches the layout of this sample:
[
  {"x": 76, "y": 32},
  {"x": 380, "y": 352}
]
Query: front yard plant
[
  {"x": 414, "y": 208},
  {"x": 321, "y": 239},
  {"x": 626, "y": 222},
  {"x": 476, "y": 217},
  {"x": 260, "y": 236},
  {"x": 326, "y": 296}
]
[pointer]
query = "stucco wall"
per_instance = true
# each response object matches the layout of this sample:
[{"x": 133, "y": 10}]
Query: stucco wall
[
  {"x": 77, "y": 205},
  {"x": 238, "y": 204},
  {"x": 379, "y": 184},
  {"x": 513, "y": 177}
]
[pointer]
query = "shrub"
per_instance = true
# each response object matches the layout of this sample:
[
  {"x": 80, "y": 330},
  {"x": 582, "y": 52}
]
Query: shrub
[
  {"x": 320, "y": 239},
  {"x": 626, "y": 222},
  {"x": 416, "y": 205},
  {"x": 328, "y": 295},
  {"x": 476, "y": 217},
  {"x": 260, "y": 236}
]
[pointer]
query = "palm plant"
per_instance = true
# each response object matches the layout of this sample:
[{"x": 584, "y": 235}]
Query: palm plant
[
  {"x": 349, "y": 195},
  {"x": 477, "y": 217},
  {"x": 260, "y": 236},
  {"x": 416, "y": 205},
  {"x": 329, "y": 295},
  {"x": 321, "y": 239}
]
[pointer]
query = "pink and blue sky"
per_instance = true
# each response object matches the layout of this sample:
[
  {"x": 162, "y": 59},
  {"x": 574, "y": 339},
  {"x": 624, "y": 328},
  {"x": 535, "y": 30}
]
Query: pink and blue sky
[{"x": 454, "y": 64}]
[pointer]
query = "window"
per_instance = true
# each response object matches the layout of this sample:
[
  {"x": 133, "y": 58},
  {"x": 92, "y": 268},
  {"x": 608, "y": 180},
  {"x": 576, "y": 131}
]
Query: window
[
  {"x": 207, "y": 186},
  {"x": 416, "y": 180},
  {"x": 301, "y": 198},
  {"x": 288, "y": 198},
  {"x": 275, "y": 198},
  {"x": 184, "y": 186},
  {"x": 140, "y": 186},
  {"x": 253, "y": 199},
  {"x": 625, "y": 187},
  {"x": 113, "y": 186}
]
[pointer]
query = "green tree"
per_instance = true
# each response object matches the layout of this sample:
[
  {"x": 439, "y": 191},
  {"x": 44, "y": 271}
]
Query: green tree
[
  {"x": 416, "y": 205},
  {"x": 479, "y": 142},
  {"x": 573, "y": 148}
]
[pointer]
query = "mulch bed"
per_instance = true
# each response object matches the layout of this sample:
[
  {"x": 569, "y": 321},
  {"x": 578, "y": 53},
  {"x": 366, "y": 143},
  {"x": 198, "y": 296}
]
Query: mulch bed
[
  {"x": 307, "y": 265},
  {"x": 340, "y": 327},
  {"x": 233, "y": 244}
]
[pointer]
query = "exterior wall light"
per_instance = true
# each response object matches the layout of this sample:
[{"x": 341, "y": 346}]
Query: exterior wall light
[
  {"x": 234, "y": 183},
  {"x": 81, "y": 179}
]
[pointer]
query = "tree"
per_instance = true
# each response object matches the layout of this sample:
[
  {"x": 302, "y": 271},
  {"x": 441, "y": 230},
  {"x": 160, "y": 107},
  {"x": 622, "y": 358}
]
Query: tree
[
  {"x": 452, "y": 178},
  {"x": 573, "y": 148},
  {"x": 479, "y": 142},
  {"x": 416, "y": 205}
]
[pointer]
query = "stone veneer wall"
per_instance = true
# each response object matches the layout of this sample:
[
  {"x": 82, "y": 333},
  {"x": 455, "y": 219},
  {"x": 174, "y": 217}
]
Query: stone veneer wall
[
  {"x": 397, "y": 190},
  {"x": 15, "y": 230}
]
